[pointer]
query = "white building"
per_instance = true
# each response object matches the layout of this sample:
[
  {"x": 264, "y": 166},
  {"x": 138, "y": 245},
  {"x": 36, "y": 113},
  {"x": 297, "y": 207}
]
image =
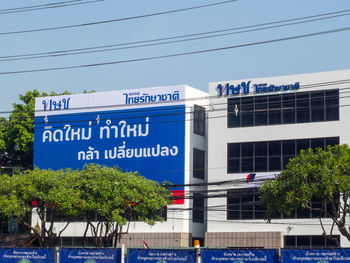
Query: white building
[
  {"x": 173, "y": 117},
  {"x": 256, "y": 126}
]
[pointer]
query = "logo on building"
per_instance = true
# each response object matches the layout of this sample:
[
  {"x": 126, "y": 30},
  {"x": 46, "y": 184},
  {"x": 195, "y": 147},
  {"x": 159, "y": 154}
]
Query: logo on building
[
  {"x": 51, "y": 105},
  {"x": 246, "y": 88},
  {"x": 140, "y": 98}
]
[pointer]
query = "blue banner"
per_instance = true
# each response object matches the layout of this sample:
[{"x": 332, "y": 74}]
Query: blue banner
[
  {"x": 90, "y": 255},
  {"x": 150, "y": 141},
  {"x": 239, "y": 256},
  {"x": 316, "y": 256},
  {"x": 27, "y": 255},
  {"x": 161, "y": 256}
]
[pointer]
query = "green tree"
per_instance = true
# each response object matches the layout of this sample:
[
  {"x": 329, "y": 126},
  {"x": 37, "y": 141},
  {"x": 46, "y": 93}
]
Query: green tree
[
  {"x": 17, "y": 133},
  {"x": 105, "y": 197},
  {"x": 111, "y": 199},
  {"x": 52, "y": 194},
  {"x": 319, "y": 174}
]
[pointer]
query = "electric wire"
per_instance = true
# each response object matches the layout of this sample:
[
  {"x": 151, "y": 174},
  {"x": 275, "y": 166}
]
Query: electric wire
[
  {"x": 118, "y": 19},
  {"x": 79, "y": 122},
  {"x": 46, "y": 6},
  {"x": 207, "y": 98},
  {"x": 58, "y": 119},
  {"x": 196, "y": 52},
  {"x": 113, "y": 47}
]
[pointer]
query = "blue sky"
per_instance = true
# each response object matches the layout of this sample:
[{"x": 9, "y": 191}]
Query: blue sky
[{"x": 307, "y": 55}]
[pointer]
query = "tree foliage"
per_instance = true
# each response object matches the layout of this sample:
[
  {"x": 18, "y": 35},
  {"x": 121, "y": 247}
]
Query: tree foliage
[
  {"x": 111, "y": 196},
  {"x": 319, "y": 174},
  {"x": 17, "y": 133},
  {"x": 116, "y": 198}
]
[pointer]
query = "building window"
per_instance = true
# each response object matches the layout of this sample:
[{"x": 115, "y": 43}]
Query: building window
[
  {"x": 289, "y": 108},
  {"x": 244, "y": 203},
  {"x": 198, "y": 208},
  {"x": 198, "y": 164},
  {"x": 199, "y": 120},
  {"x": 310, "y": 241},
  {"x": 269, "y": 156}
]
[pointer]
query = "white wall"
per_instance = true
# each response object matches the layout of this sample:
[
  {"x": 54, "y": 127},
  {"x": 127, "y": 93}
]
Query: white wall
[{"x": 219, "y": 135}]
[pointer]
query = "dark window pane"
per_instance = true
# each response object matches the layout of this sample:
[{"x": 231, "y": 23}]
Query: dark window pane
[
  {"x": 290, "y": 241},
  {"x": 233, "y": 117},
  {"x": 199, "y": 120},
  {"x": 303, "y": 107},
  {"x": 261, "y": 149},
  {"x": 247, "y": 108},
  {"x": 233, "y": 211},
  {"x": 303, "y": 241},
  {"x": 303, "y": 213},
  {"x": 234, "y": 150},
  {"x": 261, "y": 110},
  {"x": 317, "y": 106},
  {"x": 67, "y": 242},
  {"x": 233, "y": 205},
  {"x": 233, "y": 166},
  {"x": 247, "y": 149},
  {"x": 247, "y": 206},
  {"x": 275, "y": 109},
  {"x": 275, "y": 148},
  {"x": 332, "y": 141},
  {"x": 259, "y": 210},
  {"x": 286, "y": 161},
  {"x": 302, "y": 145},
  {"x": 274, "y": 164},
  {"x": 198, "y": 209},
  {"x": 316, "y": 210},
  {"x": 292, "y": 215},
  {"x": 318, "y": 241},
  {"x": 198, "y": 164},
  {"x": 247, "y": 164},
  {"x": 288, "y": 148},
  {"x": 332, "y": 243},
  {"x": 288, "y": 108},
  {"x": 317, "y": 143},
  {"x": 332, "y": 105},
  {"x": 261, "y": 164}
]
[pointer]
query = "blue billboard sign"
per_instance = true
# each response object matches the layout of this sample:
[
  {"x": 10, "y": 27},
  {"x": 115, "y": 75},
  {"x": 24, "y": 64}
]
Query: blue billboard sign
[
  {"x": 316, "y": 256},
  {"x": 90, "y": 255},
  {"x": 27, "y": 255},
  {"x": 239, "y": 256},
  {"x": 161, "y": 256},
  {"x": 150, "y": 141}
]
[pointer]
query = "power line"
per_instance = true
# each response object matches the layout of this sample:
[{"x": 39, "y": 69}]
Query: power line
[
  {"x": 118, "y": 19},
  {"x": 178, "y": 54},
  {"x": 46, "y": 6},
  {"x": 78, "y": 122},
  {"x": 307, "y": 86},
  {"x": 197, "y": 36},
  {"x": 159, "y": 111}
]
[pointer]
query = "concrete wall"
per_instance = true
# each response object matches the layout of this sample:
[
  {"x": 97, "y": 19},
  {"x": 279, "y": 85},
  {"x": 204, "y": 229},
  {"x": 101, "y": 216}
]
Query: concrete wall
[{"x": 219, "y": 136}]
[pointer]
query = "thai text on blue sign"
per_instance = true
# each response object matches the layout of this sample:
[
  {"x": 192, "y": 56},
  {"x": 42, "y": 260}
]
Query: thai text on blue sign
[
  {"x": 150, "y": 141},
  {"x": 239, "y": 256},
  {"x": 90, "y": 255},
  {"x": 26, "y": 255},
  {"x": 316, "y": 256},
  {"x": 246, "y": 88},
  {"x": 161, "y": 256}
]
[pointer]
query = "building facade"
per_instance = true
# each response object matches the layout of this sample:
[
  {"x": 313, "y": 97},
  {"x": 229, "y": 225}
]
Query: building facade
[
  {"x": 158, "y": 132},
  {"x": 255, "y": 127}
]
